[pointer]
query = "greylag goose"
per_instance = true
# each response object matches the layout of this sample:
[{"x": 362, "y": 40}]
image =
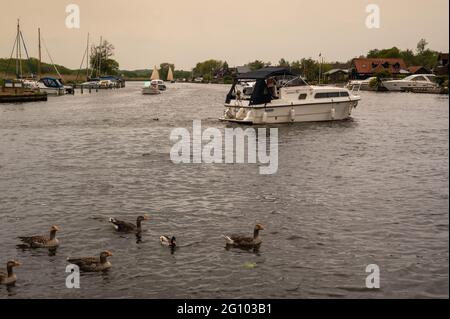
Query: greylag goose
[
  {"x": 91, "y": 264},
  {"x": 122, "y": 226},
  {"x": 42, "y": 241},
  {"x": 168, "y": 241},
  {"x": 244, "y": 241},
  {"x": 9, "y": 278}
]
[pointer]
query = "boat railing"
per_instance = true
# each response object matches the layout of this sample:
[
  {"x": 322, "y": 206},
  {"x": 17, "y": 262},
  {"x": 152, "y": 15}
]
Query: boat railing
[{"x": 356, "y": 88}]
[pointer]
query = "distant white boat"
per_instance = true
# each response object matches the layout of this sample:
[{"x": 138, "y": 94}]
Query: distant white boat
[
  {"x": 151, "y": 88},
  {"x": 412, "y": 82},
  {"x": 155, "y": 86}
]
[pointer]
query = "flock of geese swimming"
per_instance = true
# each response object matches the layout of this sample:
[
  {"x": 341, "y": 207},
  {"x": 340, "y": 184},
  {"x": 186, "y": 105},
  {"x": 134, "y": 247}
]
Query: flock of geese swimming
[{"x": 101, "y": 263}]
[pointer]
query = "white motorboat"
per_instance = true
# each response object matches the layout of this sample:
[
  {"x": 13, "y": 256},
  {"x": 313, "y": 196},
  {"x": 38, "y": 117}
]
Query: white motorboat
[
  {"x": 412, "y": 82},
  {"x": 279, "y": 96},
  {"x": 52, "y": 86},
  {"x": 363, "y": 85},
  {"x": 155, "y": 86},
  {"x": 151, "y": 88}
]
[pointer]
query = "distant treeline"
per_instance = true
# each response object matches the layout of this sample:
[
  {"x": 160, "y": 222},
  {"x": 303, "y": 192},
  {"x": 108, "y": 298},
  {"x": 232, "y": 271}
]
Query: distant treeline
[
  {"x": 30, "y": 66},
  {"x": 216, "y": 70}
]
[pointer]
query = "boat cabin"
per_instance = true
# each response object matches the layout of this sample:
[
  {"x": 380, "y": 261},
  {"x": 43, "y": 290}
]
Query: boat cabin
[
  {"x": 52, "y": 82},
  {"x": 263, "y": 85}
]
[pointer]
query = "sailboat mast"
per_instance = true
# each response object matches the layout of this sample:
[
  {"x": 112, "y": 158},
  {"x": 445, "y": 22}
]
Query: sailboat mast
[
  {"x": 39, "y": 62},
  {"x": 20, "y": 51},
  {"x": 100, "y": 58},
  {"x": 17, "y": 49},
  {"x": 87, "y": 58}
]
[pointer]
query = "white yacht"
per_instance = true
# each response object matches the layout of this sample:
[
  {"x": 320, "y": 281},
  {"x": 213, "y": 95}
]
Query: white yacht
[
  {"x": 412, "y": 81},
  {"x": 279, "y": 96}
]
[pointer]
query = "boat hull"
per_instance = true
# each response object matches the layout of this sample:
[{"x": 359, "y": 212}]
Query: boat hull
[
  {"x": 53, "y": 91},
  {"x": 289, "y": 113},
  {"x": 150, "y": 91},
  {"x": 398, "y": 86}
]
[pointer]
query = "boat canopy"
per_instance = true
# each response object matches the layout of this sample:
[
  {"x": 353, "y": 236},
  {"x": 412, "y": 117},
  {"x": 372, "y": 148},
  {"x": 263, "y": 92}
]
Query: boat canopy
[
  {"x": 262, "y": 93},
  {"x": 52, "y": 82},
  {"x": 264, "y": 73}
]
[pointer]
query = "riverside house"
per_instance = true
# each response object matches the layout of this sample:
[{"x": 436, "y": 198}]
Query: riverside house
[{"x": 363, "y": 68}]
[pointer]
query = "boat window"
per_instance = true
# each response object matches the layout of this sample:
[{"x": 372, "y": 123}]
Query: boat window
[
  {"x": 321, "y": 95},
  {"x": 419, "y": 78},
  {"x": 333, "y": 94},
  {"x": 324, "y": 95},
  {"x": 302, "y": 96}
]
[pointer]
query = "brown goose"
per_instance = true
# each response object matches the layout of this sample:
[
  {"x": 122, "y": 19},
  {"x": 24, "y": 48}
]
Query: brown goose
[
  {"x": 122, "y": 226},
  {"x": 9, "y": 278},
  {"x": 42, "y": 241},
  {"x": 93, "y": 263},
  {"x": 243, "y": 241}
]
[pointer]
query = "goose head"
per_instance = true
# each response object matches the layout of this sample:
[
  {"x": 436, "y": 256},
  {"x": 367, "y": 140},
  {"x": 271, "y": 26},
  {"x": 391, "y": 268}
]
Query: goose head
[
  {"x": 143, "y": 217},
  {"x": 55, "y": 228},
  {"x": 106, "y": 254},
  {"x": 13, "y": 263},
  {"x": 259, "y": 227}
]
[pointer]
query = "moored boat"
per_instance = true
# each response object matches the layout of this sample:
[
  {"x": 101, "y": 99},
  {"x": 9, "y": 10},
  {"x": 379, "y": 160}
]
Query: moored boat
[
  {"x": 279, "y": 96},
  {"x": 413, "y": 81}
]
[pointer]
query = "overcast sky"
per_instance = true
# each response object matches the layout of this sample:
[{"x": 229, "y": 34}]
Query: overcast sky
[{"x": 149, "y": 32}]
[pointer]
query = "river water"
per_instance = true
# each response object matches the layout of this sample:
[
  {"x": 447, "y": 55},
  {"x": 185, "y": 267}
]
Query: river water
[{"x": 371, "y": 190}]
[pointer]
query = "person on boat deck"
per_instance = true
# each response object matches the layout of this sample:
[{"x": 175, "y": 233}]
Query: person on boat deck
[
  {"x": 239, "y": 96},
  {"x": 271, "y": 84}
]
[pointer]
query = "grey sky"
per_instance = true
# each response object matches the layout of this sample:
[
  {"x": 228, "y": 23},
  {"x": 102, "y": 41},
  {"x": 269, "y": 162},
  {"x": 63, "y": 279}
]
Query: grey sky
[{"x": 147, "y": 32}]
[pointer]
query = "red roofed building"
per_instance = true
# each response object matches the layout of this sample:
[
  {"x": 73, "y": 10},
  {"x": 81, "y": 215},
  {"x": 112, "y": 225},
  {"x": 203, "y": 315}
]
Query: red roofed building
[{"x": 363, "y": 68}]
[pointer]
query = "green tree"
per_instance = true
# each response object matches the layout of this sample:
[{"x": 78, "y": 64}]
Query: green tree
[
  {"x": 207, "y": 69},
  {"x": 421, "y": 46},
  {"x": 393, "y": 52},
  {"x": 296, "y": 67},
  {"x": 284, "y": 63},
  {"x": 310, "y": 69},
  {"x": 258, "y": 64},
  {"x": 426, "y": 57},
  {"x": 409, "y": 57},
  {"x": 164, "y": 70},
  {"x": 101, "y": 61}
]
